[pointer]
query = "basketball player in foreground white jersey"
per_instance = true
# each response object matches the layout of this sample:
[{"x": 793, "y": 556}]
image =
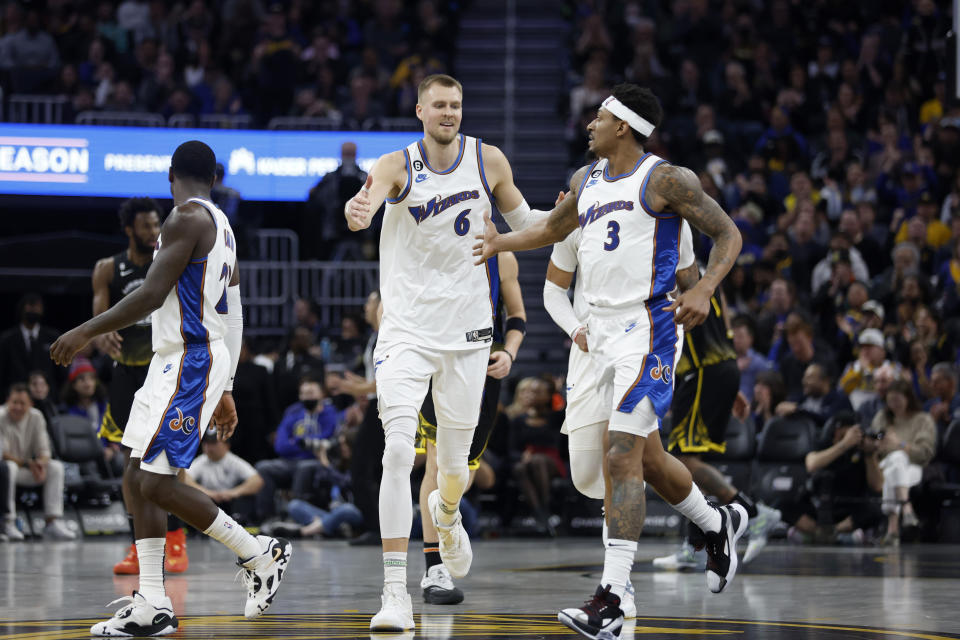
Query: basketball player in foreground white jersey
[
  {"x": 192, "y": 290},
  {"x": 629, "y": 206},
  {"x": 586, "y": 416},
  {"x": 437, "y": 322}
]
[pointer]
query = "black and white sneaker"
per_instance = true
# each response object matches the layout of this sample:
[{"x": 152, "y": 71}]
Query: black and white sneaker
[
  {"x": 139, "y": 617},
  {"x": 600, "y": 618},
  {"x": 438, "y": 587},
  {"x": 262, "y": 575},
  {"x": 722, "y": 546}
]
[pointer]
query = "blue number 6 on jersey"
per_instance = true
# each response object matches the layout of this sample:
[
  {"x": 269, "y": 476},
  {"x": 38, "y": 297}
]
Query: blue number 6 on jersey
[
  {"x": 613, "y": 236},
  {"x": 461, "y": 225}
]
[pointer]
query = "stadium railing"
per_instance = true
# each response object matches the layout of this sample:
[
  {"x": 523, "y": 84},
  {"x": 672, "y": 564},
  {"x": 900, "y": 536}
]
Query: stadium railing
[
  {"x": 36, "y": 108},
  {"x": 121, "y": 118}
]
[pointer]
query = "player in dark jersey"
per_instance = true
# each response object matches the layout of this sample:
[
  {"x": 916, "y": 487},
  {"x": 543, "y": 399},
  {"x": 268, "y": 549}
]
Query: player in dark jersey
[
  {"x": 707, "y": 383},
  {"x": 132, "y": 348},
  {"x": 508, "y": 330}
]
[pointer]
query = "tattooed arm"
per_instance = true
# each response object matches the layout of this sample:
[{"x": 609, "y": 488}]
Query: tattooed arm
[
  {"x": 553, "y": 228},
  {"x": 678, "y": 189}
]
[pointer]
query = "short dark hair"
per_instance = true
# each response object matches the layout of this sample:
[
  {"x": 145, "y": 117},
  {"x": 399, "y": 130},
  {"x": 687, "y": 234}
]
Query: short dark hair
[
  {"x": 18, "y": 387},
  {"x": 746, "y": 322},
  {"x": 641, "y": 101},
  {"x": 194, "y": 160},
  {"x": 130, "y": 208},
  {"x": 28, "y": 299}
]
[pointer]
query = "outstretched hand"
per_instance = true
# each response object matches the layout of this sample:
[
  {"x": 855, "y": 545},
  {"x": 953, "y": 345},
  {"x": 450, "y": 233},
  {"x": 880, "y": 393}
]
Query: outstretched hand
[
  {"x": 691, "y": 307},
  {"x": 358, "y": 207},
  {"x": 486, "y": 248},
  {"x": 64, "y": 348}
]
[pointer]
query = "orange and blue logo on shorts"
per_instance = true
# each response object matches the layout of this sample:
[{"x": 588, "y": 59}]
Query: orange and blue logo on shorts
[
  {"x": 655, "y": 380},
  {"x": 180, "y": 429}
]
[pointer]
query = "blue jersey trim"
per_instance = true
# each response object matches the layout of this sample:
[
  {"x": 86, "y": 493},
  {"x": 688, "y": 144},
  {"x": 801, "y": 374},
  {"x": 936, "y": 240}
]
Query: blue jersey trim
[
  {"x": 493, "y": 276},
  {"x": 609, "y": 178},
  {"x": 190, "y": 296},
  {"x": 643, "y": 195},
  {"x": 406, "y": 189},
  {"x": 453, "y": 167},
  {"x": 483, "y": 177}
]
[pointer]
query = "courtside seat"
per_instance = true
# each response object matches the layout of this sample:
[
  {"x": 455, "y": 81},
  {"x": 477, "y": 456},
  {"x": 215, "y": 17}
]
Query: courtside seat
[{"x": 779, "y": 468}]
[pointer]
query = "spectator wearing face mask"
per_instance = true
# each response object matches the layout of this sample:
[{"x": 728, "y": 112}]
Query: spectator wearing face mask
[{"x": 305, "y": 427}]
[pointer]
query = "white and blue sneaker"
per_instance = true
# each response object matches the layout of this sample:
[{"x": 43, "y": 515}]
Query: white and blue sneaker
[
  {"x": 759, "y": 530},
  {"x": 628, "y": 603},
  {"x": 686, "y": 558},
  {"x": 139, "y": 617}
]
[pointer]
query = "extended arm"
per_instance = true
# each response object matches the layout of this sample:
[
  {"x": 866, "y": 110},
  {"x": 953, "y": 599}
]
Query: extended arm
[
  {"x": 554, "y": 228},
  {"x": 180, "y": 235},
  {"x": 509, "y": 200},
  {"x": 388, "y": 177}
]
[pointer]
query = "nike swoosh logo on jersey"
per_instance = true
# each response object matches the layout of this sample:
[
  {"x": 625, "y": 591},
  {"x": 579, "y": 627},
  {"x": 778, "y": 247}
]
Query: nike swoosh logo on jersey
[
  {"x": 421, "y": 177},
  {"x": 629, "y": 328},
  {"x": 167, "y": 368}
]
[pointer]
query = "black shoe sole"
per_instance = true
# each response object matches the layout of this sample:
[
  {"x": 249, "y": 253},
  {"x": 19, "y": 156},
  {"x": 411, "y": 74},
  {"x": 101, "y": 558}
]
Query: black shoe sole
[{"x": 437, "y": 595}]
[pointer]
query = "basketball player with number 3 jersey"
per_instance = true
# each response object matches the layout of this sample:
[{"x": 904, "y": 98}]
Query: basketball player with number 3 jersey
[
  {"x": 629, "y": 206},
  {"x": 437, "y": 323}
]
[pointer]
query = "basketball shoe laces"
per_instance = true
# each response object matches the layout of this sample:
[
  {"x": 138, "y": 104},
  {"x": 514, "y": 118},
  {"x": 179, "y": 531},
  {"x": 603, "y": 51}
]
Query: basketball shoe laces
[
  {"x": 123, "y": 611},
  {"x": 249, "y": 576},
  {"x": 598, "y": 605}
]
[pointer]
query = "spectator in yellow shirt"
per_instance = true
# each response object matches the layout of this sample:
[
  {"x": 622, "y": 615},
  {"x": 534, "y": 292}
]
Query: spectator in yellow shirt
[{"x": 938, "y": 234}]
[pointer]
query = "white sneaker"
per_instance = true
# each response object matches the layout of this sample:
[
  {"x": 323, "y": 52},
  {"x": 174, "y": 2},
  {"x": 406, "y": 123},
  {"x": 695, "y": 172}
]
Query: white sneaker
[
  {"x": 759, "y": 529},
  {"x": 438, "y": 587},
  {"x": 686, "y": 558},
  {"x": 455, "y": 550},
  {"x": 628, "y": 603},
  {"x": 138, "y": 618},
  {"x": 57, "y": 530},
  {"x": 11, "y": 531},
  {"x": 262, "y": 583},
  {"x": 396, "y": 612}
]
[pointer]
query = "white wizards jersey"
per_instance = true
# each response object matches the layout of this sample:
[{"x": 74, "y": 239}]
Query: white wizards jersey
[
  {"x": 628, "y": 253},
  {"x": 564, "y": 256},
  {"x": 195, "y": 310},
  {"x": 433, "y": 294}
]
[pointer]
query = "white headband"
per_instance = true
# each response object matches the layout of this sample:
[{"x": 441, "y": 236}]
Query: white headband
[{"x": 626, "y": 114}]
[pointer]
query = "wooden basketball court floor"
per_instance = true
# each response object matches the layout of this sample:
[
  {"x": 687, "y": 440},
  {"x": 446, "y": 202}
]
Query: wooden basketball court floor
[{"x": 57, "y": 590}]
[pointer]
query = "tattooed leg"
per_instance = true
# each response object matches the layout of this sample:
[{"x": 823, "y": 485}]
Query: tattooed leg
[{"x": 626, "y": 505}]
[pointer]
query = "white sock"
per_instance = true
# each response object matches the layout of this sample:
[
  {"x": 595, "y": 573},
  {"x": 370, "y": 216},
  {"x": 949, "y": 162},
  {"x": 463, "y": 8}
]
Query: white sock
[
  {"x": 695, "y": 507},
  {"x": 395, "y": 568},
  {"x": 226, "y": 531},
  {"x": 150, "y": 553},
  {"x": 617, "y": 564}
]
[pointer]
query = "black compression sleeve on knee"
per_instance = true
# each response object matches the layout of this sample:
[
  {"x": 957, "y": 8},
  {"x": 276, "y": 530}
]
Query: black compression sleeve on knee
[{"x": 747, "y": 503}]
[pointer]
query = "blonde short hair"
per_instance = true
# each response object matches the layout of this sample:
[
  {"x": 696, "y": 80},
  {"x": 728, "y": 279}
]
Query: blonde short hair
[{"x": 438, "y": 78}]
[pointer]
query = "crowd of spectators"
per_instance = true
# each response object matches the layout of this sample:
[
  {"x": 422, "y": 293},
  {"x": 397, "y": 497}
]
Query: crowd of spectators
[{"x": 352, "y": 61}]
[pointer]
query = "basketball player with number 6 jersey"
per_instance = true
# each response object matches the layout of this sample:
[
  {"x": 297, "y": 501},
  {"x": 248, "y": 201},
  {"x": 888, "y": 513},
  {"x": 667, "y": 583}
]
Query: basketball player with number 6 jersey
[{"x": 437, "y": 323}]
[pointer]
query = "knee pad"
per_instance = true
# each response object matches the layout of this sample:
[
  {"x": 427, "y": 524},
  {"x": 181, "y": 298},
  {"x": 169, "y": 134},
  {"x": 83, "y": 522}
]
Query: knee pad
[{"x": 400, "y": 425}]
